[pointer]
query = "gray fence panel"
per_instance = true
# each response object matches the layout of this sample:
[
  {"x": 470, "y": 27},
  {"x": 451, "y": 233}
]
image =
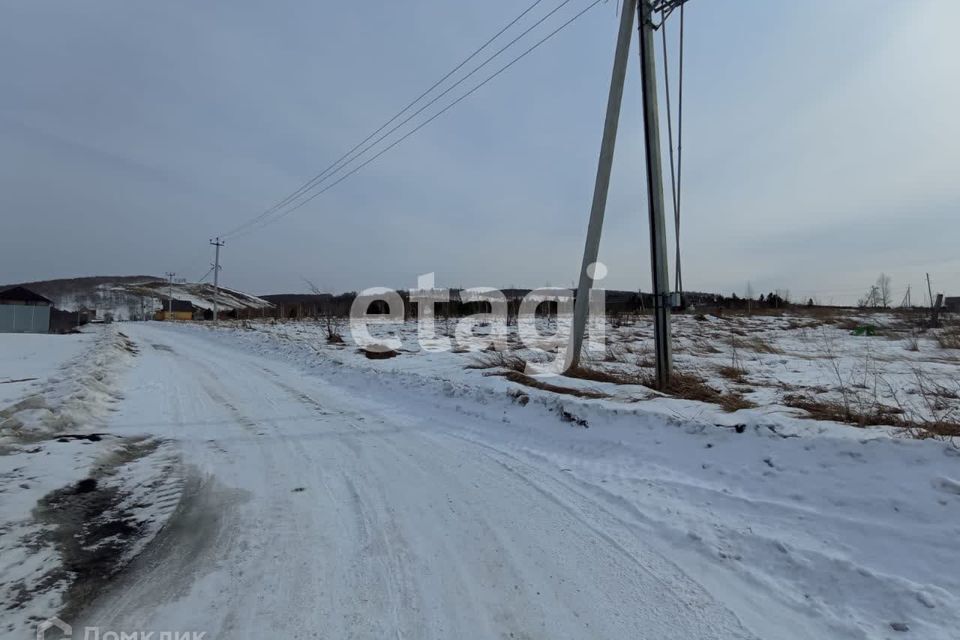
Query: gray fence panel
[{"x": 16, "y": 318}]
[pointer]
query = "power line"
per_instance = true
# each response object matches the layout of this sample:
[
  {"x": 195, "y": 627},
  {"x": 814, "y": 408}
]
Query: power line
[
  {"x": 676, "y": 165},
  {"x": 209, "y": 271},
  {"x": 430, "y": 119},
  {"x": 679, "y": 151},
  {"x": 320, "y": 176},
  {"x": 434, "y": 100}
]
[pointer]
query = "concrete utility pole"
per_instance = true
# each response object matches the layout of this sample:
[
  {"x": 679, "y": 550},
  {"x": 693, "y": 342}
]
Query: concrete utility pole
[
  {"x": 930, "y": 291},
  {"x": 602, "y": 185},
  {"x": 170, "y": 275},
  {"x": 658, "y": 233},
  {"x": 658, "y": 239},
  {"x": 217, "y": 242}
]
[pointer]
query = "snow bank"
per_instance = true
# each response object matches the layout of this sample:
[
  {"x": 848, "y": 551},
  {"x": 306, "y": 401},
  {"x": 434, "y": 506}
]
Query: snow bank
[{"x": 66, "y": 483}]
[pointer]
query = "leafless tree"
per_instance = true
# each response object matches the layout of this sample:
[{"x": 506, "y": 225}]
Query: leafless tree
[
  {"x": 883, "y": 290},
  {"x": 870, "y": 299},
  {"x": 330, "y": 320}
]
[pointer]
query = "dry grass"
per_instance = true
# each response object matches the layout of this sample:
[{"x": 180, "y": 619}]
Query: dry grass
[
  {"x": 513, "y": 368},
  {"x": 847, "y": 323},
  {"x": 522, "y": 378},
  {"x": 703, "y": 346},
  {"x": 586, "y": 372},
  {"x": 837, "y": 411},
  {"x": 939, "y": 430},
  {"x": 758, "y": 344},
  {"x": 937, "y": 419},
  {"x": 737, "y": 374},
  {"x": 692, "y": 387},
  {"x": 949, "y": 337},
  {"x": 646, "y": 362}
]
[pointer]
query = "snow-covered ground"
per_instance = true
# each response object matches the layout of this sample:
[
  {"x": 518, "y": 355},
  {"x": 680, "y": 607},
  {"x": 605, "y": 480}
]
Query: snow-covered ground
[
  {"x": 76, "y": 502},
  {"x": 321, "y": 493},
  {"x": 896, "y": 375},
  {"x": 27, "y": 359},
  {"x": 129, "y": 299}
]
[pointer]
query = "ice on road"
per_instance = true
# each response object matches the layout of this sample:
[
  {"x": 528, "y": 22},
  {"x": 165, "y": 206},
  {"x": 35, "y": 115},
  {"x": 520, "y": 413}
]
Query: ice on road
[{"x": 312, "y": 512}]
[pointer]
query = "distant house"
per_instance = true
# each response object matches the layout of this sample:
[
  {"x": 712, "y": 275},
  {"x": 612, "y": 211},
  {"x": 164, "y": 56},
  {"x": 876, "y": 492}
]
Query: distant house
[
  {"x": 176, "y": 310},
  {"x": 23, "y": 311},
  {"x": 952, "y": 304}
]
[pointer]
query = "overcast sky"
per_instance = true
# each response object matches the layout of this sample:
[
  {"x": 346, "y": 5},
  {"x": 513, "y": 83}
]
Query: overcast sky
[{"x": 822, "y": 145}]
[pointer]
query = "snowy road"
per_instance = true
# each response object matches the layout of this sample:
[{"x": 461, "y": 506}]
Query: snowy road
[{"x": 311, "y": 511}]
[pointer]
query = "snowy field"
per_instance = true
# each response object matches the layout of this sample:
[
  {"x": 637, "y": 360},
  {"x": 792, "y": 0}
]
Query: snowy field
[
  {"x": 859, "y": 368},
  {"x": 274, "y": 483}
]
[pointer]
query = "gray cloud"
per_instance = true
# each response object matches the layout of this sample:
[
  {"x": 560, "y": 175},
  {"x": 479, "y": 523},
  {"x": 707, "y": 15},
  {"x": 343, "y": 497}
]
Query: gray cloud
[{"x": 821, "y": 145}]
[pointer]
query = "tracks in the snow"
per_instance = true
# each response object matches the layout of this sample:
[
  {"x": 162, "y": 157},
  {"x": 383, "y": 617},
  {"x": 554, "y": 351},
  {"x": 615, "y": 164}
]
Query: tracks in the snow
[{"x": 313, "y": 512}]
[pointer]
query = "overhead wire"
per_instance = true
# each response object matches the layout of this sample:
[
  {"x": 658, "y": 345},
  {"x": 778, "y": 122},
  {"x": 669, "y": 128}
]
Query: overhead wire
[
  {"x": 209, "y": 271},
  {"x": 679, "y": 154},
  {"x": 667, "y": 92},
  {"x": 433, "y": 117},
  {"x": 433, "y": 101},
  {"x": 675, "y": 163},
  {"x": 335, "y": 166}
]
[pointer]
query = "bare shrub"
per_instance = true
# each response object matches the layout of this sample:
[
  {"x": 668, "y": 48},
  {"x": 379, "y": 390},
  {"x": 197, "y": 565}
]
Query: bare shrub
[
  {"x": 860, "y": 402},
  {"x": 867, "y": 398},
  {"x": 735, "y": 370},
  {"x": 331, "y": 323},
  {"x": 938, "y": 416},
  {"x": 498, "y": 360},
  {"x": 912, "y": 343},
  {"x": 332, "y": 329}
]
